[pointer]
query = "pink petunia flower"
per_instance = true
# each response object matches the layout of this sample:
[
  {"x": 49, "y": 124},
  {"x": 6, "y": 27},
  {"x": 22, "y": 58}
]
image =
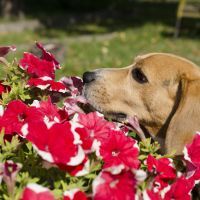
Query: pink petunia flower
[
  {"x": 75, "y": 85},
  {"x": 94, "y": 130},
  {"x": 119, "y": 150},
  {"x": 37, "y": 67},
  {"x": 8, "y": 172},
  {"x": 48, "y": 56},
  {"x": 134, "y": 125},
  {"x": 6, "y": 49},
  {"x": 34, "y": 191},
  {"x": 74, "y": 194},
  {"x": 71, "y": 104},
  {"x": 116, "y": 187}
]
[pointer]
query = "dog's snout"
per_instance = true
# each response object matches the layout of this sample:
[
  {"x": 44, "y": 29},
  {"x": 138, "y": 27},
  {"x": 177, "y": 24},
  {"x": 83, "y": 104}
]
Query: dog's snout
[{"x": 89, "y": 77}]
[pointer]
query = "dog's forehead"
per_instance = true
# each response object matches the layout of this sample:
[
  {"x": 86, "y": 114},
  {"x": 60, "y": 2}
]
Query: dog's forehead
[
  {"x": 155, "y": 61},
  {"x": 142, "y": 57},
  {"x": 165, "y": 62},
  {"x": 159, "y": 66},
  {"x": 162, "y": 59}
]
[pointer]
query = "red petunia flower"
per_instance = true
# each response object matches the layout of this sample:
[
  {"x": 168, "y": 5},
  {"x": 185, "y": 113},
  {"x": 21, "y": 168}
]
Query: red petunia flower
[
  {"x": 115, "y": 187},
  {"x": 159, "y": 184},
  {"x": 16, "y": 115},
  {"x": 150, "y": 195},
  {"x": 74, "y": 194},
  {"x": 94, "y": 130},
  {"x": 79, "y": 170},
  {"x": 192, "y": 151},
  {"x": 34, "y": 191},
  {"x": 59, "y": 144},
  {"x": 162, "y": 167},
  {"x": 191, "y": 155},
  {"x": 37, "y": 67},
  {"x": 47, "y": 83},
  {"x": 119, "y": 150},
  {"x": 38, "y": 134},
  {"x": 64, "y": 145},
  {"x": 180, "y": 189},
  {"x": 50, "y": 112},
  {"x": 48, "y": 56}
]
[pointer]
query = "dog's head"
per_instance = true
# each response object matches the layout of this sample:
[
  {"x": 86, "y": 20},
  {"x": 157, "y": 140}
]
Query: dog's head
[{"x": 162, "y": 90}]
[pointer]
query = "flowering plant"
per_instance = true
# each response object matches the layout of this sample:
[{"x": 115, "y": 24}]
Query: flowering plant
[{"x": 50, "y": 148}]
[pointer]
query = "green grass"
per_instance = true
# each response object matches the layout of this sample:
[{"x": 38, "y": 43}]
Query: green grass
[{"x": 117, "y": 50}]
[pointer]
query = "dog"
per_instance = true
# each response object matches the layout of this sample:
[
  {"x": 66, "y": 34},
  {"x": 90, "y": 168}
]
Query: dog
[{"x": 162, "y": 90}]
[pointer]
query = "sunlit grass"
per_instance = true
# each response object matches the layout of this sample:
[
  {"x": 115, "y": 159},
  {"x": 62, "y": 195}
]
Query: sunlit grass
[{"x": 104, "y": 51}]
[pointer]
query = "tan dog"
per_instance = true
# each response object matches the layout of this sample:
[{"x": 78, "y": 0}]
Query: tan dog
[{"x": 162, "y": 90}]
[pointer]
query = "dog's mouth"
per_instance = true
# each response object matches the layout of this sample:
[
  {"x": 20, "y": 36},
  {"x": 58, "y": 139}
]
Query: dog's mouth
[
  {"x": 110, "y": 115},
  {"x": 117, "y": 116}
]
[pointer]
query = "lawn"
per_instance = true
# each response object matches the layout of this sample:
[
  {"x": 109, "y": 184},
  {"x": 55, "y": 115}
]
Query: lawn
[{"x": 111, "y": 41}]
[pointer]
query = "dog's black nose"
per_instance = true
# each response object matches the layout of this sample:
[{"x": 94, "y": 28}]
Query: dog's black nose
[{"x": 88, "y": 77}]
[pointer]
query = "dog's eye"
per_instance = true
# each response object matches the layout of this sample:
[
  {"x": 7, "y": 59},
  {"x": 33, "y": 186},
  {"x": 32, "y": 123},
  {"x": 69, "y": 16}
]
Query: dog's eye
[{"x": 139, "y": 76}]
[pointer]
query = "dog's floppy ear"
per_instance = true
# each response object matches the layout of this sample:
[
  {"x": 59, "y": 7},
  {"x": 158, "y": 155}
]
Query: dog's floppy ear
[{"x": 185, "y": 120}]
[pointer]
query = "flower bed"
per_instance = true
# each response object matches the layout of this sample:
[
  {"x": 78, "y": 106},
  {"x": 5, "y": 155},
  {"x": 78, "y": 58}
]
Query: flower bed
[{"x": 51, "y": 149}]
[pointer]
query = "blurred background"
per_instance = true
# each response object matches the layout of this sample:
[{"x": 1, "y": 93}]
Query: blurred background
[{"x": 89, "y": 34}]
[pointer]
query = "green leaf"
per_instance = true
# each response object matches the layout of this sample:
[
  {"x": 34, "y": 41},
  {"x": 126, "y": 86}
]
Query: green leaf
[
  {"x": 7, "y": 149},
  {"x": 132, "y": 134}
]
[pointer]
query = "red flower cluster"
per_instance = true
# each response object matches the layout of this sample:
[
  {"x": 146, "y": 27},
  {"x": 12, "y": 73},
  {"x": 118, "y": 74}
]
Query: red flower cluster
[
  {"x": 165, "y": 173},
  {"x": 42, "y": 70},
  {"x": 59, "y": 136}
]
